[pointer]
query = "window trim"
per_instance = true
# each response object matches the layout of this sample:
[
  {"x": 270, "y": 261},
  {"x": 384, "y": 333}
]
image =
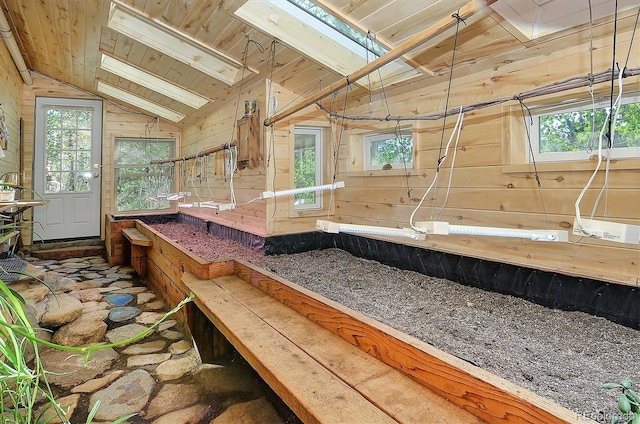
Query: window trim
[
  {"x": 369, "y": 138},
  {"x": 581, "y": 155},
  {"x": 319, "y": 141}
]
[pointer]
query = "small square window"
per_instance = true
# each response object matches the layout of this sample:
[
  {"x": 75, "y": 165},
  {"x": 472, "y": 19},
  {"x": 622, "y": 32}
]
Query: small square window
[{"x": 392, "y": 150}]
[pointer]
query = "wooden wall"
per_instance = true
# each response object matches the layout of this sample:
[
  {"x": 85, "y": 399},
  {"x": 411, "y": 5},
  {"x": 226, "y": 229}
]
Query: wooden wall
[
  {"x": 10, "y": 100},
  {"x": 218, "y": 127},
  {"x": 116, "y": 123},
  {"x": 492, "y": 185}
]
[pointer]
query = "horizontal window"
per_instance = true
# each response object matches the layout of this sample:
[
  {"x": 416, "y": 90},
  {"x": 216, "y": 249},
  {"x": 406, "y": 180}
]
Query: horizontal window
[
  {"x": 573, "y": 133},
  {"x": 392, "y": 150}
]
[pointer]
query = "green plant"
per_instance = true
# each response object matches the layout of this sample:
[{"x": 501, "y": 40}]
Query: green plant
[
  {"x": 628, "y": 402},
  {"x": 24, "y": 383}
]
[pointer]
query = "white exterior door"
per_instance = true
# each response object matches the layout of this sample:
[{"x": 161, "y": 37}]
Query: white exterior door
[{"x": 67, "y": 168}]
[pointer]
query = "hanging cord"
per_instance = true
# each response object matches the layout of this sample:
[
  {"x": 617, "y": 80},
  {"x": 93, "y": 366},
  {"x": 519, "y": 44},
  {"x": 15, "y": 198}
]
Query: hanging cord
[
  {"x": 453, "y": 164},
  {"x": 526, "y": 112},
  {"x": 403, "y": 144},
  {"x": 435, "y": 177},
  {"x": 608, "y": 130},
  {"x": 336, "y": 155},
  {"x": 591, "y": 79},
  {"x": 446, "y": 102}
]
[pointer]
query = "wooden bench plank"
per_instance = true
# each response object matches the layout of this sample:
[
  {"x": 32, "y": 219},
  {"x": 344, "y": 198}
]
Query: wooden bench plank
[
  {"x": 399, "y": 396},
  {"x": 311, "y": 391},
  {"x": 136, "y": 237}
]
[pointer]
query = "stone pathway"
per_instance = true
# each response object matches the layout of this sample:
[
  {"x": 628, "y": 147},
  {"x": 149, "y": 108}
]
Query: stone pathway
[{"x": 161, "y": 377}]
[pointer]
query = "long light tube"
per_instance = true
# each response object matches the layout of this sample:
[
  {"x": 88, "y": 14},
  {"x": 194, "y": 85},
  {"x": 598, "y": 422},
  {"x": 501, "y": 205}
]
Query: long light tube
[
  {"x": 334, "y": 227},
  {"x": 444, "y": 228},
  {"x": 294, "y": 191},
  {"x": 151, "y": 82},
  {"x": 144, "y": 104},
  {"x": 167, "y": 40}
]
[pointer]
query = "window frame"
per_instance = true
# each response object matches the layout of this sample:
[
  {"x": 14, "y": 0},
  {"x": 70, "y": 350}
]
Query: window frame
[
  {"x": 318, "y": 132},
  {"x": 370, "y": 138},
  {"x": 580, "y": 155},
  {"x": 116, "y": 174}
]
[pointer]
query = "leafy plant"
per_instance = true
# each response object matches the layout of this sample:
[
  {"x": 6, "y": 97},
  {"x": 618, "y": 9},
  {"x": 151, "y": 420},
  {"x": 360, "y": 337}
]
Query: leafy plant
[
  {"x": 628, "y": 402},
  {"x": 24, "y": 383}
]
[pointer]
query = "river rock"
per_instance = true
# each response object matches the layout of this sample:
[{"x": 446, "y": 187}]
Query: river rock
[
  {"x": 172, "y": 397},
  {"x": 86, "y": 329},
  {"x": 145, "y": 348},
  {"x": 68, "y": 405},
  {"x": 127, "y": 395},
  {"x": 145, "y": 297},
  {"x": 61, "y": 309},
  {"x": 86, "y": 294},
  {"x": 192, "y": 415},
  {"x": 123, "y": 313},
  {"x": 148, "y": 359},
  {"x": 176, "y": 368},
  {"x": 180, "y": 347},
  {"x": 118, "y": 299},
  {"x": 125, "y": 332},
  {"x": 67, "y": 369},
  {"x": 97, "y": 383},
  {"x": 253, "y": 412}
]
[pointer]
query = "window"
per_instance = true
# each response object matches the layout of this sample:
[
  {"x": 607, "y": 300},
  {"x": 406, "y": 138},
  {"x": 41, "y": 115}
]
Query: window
[
  {"x": 393, "y": 150},
  {"x": 68, "y": 149},
  {"x": 572, "y": 133},
  {"x": 139, "y": 185},
  {"x": 307, "y": 165}
]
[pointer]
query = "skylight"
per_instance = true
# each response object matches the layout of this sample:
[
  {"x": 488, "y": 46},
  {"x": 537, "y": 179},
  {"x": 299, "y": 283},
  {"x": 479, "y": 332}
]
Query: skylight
[
  {"x": 144, "y": 104},
  {"x": 298, "y": 26},
  {"x": 152, "y": 82},
  {"x": 538, "y": 18},
  {"x": 323, "y": 16},
  {"x": 180, "y": 46}
]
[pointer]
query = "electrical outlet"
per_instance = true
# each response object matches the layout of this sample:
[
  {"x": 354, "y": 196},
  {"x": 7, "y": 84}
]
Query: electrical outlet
[{"x": 609, "y": 231}]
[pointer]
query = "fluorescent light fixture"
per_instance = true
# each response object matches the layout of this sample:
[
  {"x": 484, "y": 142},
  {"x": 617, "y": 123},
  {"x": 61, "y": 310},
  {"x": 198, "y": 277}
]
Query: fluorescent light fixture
[
  {"x": 608, "y": 231},
  {"x": 444, "y": 228},
  {"x": 294, "y": 191},
  {"x": 167, "y": 40},
  {"x": 134, "y": 100},
  {"x": 210, "y": 205},
  {"x": 174, "y": 196},
  {"x": 334, "y": 227},
  {"x": 185, "y": 205},
  {"x": 151, "y": 82}
]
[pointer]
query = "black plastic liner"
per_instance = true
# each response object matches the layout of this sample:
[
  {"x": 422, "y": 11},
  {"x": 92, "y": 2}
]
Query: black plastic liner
[
  {"x": 222, "y": 231},
  {"x": 616, "y": 302}
]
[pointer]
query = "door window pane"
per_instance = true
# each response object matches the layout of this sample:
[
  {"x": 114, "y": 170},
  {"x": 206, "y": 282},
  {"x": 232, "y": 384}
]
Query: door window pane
[{"x": 68, "y": 150}]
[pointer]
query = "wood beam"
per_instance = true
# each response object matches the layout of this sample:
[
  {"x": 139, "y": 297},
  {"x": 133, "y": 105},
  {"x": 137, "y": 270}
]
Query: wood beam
[{"x": 420, "y": 38}]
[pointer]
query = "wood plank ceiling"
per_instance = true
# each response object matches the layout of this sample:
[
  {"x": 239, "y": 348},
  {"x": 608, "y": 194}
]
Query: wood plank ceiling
[{"x": 64, "y": 39}]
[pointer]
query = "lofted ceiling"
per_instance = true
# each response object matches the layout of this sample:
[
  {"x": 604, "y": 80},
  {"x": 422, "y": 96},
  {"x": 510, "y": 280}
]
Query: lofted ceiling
[{"x": 65, "y": 40}]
